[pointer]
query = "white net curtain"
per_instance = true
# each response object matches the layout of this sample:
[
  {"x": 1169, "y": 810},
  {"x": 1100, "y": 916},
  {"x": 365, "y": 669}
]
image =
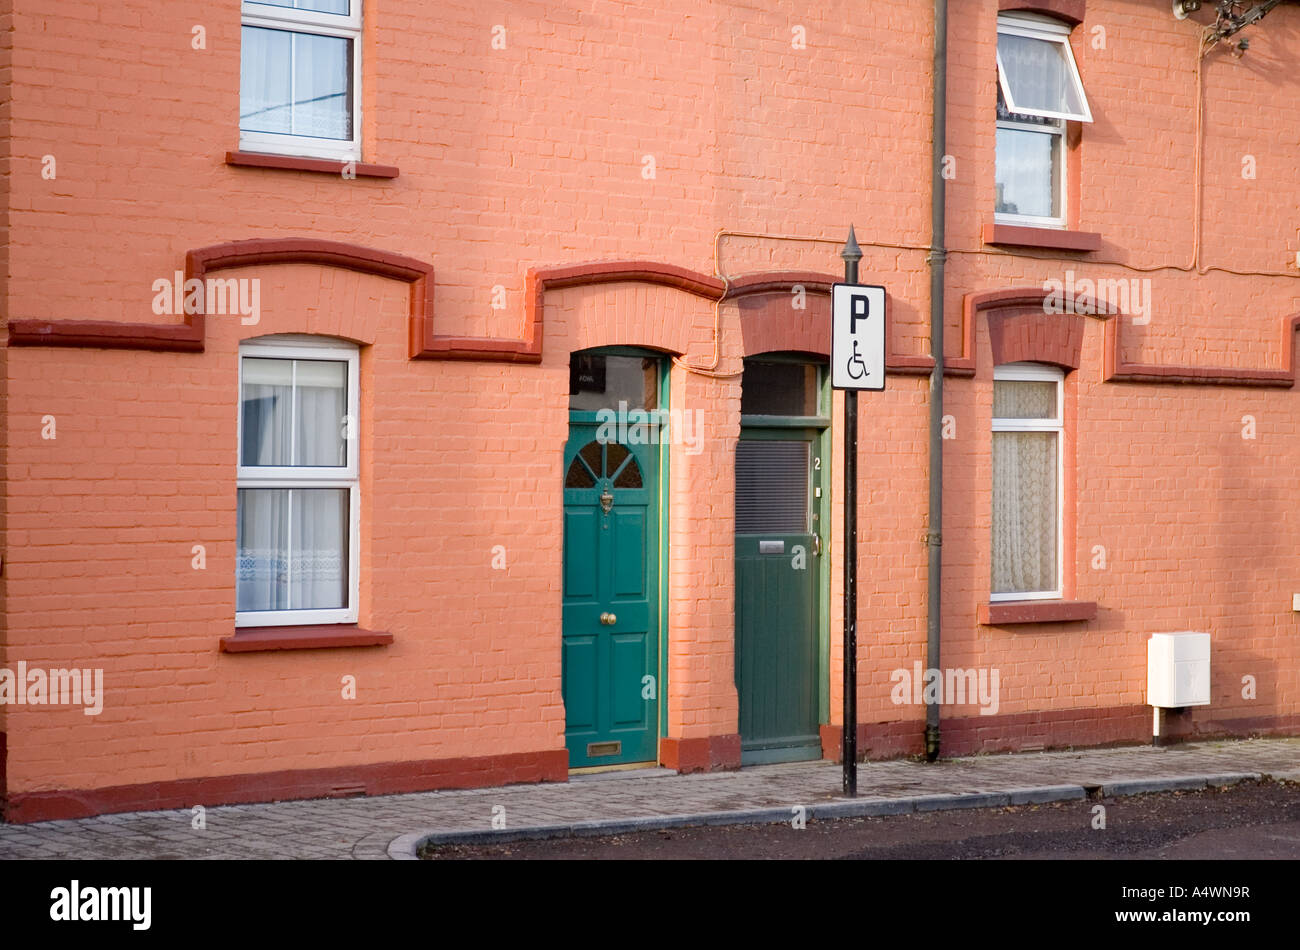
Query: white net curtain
[
  {"x": 1025, "y": 489},
  {"x": 296, "y": 84}
]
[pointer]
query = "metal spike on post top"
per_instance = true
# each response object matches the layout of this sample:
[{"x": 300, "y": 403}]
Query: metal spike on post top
[{"x": 851, "y": 251}]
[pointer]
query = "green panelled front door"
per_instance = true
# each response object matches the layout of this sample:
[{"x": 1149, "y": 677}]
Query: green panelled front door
[
  {"x": 611, "y": 600},
  {"x": 778, "y": 576}
]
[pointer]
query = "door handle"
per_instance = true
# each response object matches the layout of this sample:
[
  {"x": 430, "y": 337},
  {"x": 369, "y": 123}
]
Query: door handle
[
  {"x": 608, "y": 619},
  {"x": 817, "y": 545}
]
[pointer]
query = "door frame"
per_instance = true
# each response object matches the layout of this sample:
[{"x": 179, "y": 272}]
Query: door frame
[
  {"x": 661, "y": 500},
  {"x": 770, "y": 427}
]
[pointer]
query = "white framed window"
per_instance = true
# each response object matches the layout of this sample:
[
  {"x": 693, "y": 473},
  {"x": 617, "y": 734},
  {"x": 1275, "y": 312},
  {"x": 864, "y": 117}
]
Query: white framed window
[
  {"x": 300, "y": 78},
  {"x": 1028, "y": 483},
  {"x": 298, "y": 530},
  {"x": 1039, "y": 90}
]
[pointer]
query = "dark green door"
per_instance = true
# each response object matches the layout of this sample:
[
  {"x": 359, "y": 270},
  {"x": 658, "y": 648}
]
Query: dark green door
[
  {"x": 778, "y": 576},
  {"x": 611, "y": 623}
]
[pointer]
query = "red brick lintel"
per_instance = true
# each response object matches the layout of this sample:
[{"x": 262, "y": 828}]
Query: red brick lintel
[{"x": 310, "y": 637}]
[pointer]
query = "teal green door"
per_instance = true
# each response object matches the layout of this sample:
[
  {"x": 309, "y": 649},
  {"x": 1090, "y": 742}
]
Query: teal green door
[
  {"x": 611, "y": 599},
  {"x": 778, "y": 577}
]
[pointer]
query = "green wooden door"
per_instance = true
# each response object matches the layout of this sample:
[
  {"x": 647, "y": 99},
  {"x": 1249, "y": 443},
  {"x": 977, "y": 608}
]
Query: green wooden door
[
  {"x": 778, "y": 577},
  {"x": 611, "y": 600}
]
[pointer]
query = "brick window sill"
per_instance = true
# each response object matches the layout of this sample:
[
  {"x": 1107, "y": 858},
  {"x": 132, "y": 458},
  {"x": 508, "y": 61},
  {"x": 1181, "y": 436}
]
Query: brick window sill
[
  {"x": 298, "y": 164},
  {"x": 1051, "y": 238},
  {"x": 1007, "y": 612},
  {"x": 311, "y": 637}
]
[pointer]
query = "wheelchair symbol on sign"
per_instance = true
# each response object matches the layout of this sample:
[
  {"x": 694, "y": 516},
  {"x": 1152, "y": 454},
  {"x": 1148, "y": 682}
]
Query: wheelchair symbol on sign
[{"x": 856, "y": 368}]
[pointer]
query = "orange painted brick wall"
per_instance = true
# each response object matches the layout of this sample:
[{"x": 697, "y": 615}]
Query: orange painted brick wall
[{"x": 533, "y": 156}]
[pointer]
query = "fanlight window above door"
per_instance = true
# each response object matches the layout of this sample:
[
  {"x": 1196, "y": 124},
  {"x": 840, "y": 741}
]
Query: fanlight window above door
[{"x": 597, "y": 460}]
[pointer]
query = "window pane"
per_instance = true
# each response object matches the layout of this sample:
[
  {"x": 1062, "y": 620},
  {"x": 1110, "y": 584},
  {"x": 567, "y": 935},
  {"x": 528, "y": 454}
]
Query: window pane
[
  {"x": 292, "y": 549},
  {"x": 262, "y": 550},
  {"x": 319, "y": 6},
  {"x": 318, "y": 563},
  {"x": 1006, "y": 115},
  {"x": 296, "y": 84},
  {"x": 323, "y": 93},
  {"x": 578, "y": 476},
  {"x": 294, "y": 412},
  {"x": 265, "y": 403},
  {"x": 1024, "y": 399},
  {"x": 1039, "y": 75},
  {"x": 321, "y": 398},
  {"x": 265, "y": 81},
  {"x": 778, "y": 389},
  {"x": 1028, "y": 168},
  {"x": 601, "y": 382},
  {"x": 1024, "y": 512}
]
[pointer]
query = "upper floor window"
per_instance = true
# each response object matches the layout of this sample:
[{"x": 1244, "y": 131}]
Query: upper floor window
[
  {"x": 1028, "y": 434},
  {"x": 1039, "y": 90},
  {"x": 297, "y": 505},
  {"x": 300, "y": 78}
]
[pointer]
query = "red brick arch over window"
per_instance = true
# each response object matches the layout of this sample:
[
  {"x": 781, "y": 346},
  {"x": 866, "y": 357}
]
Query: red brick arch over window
[
  {"x": 188, "y": 337},
  {"x": 1071, "y": 11},
  {"x": 1021, "y": 329}
]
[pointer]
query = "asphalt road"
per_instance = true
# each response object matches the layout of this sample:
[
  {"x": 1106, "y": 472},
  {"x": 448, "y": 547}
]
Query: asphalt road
[{"x": 1248, "y": 821}]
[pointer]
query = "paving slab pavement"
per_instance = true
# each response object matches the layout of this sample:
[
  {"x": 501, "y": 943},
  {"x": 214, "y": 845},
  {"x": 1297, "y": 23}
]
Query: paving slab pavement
[{"x": 392, "y": 825}]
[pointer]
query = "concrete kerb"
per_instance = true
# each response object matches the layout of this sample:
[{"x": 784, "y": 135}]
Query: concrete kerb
[
  {"x": 1184, "y": 783},
  {"x": 406, "y": 847}
]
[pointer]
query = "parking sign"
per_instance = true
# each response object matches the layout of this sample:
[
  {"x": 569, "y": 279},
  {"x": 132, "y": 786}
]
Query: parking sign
[{"x": 858, "y": 336}]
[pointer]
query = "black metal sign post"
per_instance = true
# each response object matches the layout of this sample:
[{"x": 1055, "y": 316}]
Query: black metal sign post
[
  {"x": 859, "y": 316},
  {"x": 849, "y": 753}
]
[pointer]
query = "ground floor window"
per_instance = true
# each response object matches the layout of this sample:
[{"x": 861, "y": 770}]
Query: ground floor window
[
  {"x": 297, "y": 527},
  {"x": 1027, "y": 451}
]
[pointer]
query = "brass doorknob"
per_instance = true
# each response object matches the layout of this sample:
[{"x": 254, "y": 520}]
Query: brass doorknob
[{"x": 608, "y": 619}]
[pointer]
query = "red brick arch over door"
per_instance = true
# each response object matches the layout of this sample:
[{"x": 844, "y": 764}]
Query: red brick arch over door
[
  {"x": 779, "y": 311},
  {"x": 784, "y": 312}
]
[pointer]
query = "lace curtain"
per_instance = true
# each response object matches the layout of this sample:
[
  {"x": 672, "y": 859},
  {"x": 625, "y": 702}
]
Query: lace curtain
[{"x": 1025, "y": 490}]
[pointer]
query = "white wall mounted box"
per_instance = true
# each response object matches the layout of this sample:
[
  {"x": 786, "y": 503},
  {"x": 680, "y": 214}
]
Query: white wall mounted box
[
  {"x": 1178, "y": 670},
  {"x": 1295, "y": 602}
]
